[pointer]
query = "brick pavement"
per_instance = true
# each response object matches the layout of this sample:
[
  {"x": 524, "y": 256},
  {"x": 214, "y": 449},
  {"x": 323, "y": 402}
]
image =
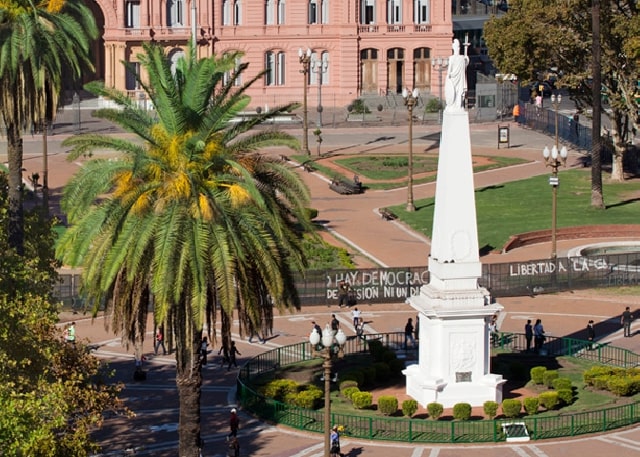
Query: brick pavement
[{"x": 152, "y": 432}]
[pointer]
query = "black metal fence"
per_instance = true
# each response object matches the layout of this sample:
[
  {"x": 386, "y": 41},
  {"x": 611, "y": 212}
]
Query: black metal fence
[{"x": 395, "y": 285}]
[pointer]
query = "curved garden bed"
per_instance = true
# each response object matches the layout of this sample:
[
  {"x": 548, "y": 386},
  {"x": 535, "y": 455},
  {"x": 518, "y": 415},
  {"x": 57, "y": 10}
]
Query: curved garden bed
[{"x": 434, "y": 431}]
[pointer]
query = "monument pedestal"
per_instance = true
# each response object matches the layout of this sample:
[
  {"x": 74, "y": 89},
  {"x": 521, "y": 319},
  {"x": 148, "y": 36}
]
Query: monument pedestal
[{"x": 454, "y": 360}]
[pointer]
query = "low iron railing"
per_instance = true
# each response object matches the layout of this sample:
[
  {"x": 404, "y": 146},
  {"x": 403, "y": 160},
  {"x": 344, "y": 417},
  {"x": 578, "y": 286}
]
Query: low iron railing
[{"x": 434, "y": 431}]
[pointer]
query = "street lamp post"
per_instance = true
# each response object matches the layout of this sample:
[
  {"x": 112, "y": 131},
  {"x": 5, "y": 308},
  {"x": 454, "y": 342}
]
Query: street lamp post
[
  {"x": 319, "y": 67},
  {"x": 327, "y": 345},
  {"x": 305, "y": 60},
  {"x": 554, "y": 159},
  {"x": 440, "y": 64},
  {"x": 410, "y": 99}
]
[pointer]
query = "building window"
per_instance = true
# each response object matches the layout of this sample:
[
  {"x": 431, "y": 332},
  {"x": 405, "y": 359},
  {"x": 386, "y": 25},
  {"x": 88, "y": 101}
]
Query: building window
[
  {"x": 421, "y": 11},
  {"x": 325, "y": 11},
  {"x": 268, "y": 12},
  {"x": 313, "y": 12},
  {"x": 281, "y": 4},
  {"x": 132, "y": 70},
  {"x": 275, "y": 66},
  {"x": 175, "y": 13},
  {"x": 394, "y": 11},
  {"x": 132, "y": 14},
  {"x": 367, "y": 11},
  {"x": 237, "y": 12},
  {"x": 226, "y": 12}
]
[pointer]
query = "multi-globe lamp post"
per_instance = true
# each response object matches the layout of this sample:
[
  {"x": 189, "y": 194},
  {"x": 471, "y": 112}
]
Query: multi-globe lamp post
[
  {"x": 440, "y": 64},
  {"x": 327, "y": 345},
  {"x": 410, "y": 99},
  {"x": 305, "y": 60},
  {"x": 554, "y": 158}
]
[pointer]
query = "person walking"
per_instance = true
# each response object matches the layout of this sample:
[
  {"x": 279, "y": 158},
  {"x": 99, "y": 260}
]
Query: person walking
[
  {"x": 408, "y": 334},
  {"x": 528, "y": 334},
  {"x": 493, "y": 330},
  {"x": 233, "y": 350},
  {"x": 591, "y": 333},
  {"x": 233, "y": 449},
  {"x": 335, "y": 324},
  {"x": 234, "y": 424},
  {"x": 334, "y": 439},
  {"x": 204, "y": 346},
  {"x": 159, "y": 342},
  {"x": 516, "y": 113},
  {"x": 224, "y": 350},
  {"x": 355, "y": 315},
  {"x": 538, "y": 335},
  {"x": 416, "y": 329},
  {"x": 625, "y": 321}
]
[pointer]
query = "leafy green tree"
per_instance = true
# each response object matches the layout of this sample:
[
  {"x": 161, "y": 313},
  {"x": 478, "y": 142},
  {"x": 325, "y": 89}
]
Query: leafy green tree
[
  {"x": 52, "y": 394},
  {"x": 40, "y": 41},
  {"x": 188, "y": 213},
  {"x": 536, "y": 35}
]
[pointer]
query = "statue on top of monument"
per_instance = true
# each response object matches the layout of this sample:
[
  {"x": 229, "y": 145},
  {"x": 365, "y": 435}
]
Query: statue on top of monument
[{"x": 455, "y": 86}]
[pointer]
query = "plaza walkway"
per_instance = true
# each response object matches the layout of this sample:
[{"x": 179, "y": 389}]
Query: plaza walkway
[{"x": 353, "y": 220}]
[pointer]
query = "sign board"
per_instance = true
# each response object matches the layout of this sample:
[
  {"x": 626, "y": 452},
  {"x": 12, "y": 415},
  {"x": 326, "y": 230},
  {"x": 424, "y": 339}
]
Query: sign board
[
  {"x": 503, "y": 135},
  {"x": 553, "y": 181}
]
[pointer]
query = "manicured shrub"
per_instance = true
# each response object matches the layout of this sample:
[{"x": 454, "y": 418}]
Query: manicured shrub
[
  {"x": 353, "y": 375},
  {"x": 348, "y": 383},
  {"x": 290, "y": 398},
  {"x": 369, "y": 375},
  {"x": 531, "y": 405},
  {"x": 279, "y": 388},
  {"x": 349, "y": 391},
  {"x": 387, "y": 404},
  {"x": 409, "y": 407},
  {"x": 462, "y": 411},
  {"x": 549, "y": 376},
  {"x": 309, "y": 399},
  {"x": 562, "y": 383},
  {"x": 537, "y": 375},
  {"x": 565, "y": 396},
  {"x": 596, "y": 372},
  {"x": 362, "y": 400},
  {"x": 601, "y": 382},
  {"x": 383, "y": 372},
  {"x": 511, "y": 407},
  {"x": 490, "y": 408},
  {"x": 621, "y": 386},
  {"x": 549, "y": 400},
  {"x": 435, "y": 410}
]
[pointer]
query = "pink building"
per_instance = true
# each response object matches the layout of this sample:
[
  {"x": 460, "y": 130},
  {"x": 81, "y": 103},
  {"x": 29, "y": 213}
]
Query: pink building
[{"x": 357, "y": 47}]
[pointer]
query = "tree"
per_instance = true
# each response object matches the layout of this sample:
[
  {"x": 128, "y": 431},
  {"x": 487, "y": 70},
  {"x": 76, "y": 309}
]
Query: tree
[
  {"x": 52, "y": 395},
  {"x": 536, "y": 35},
  {"x": 190, "y": 214},
  {"x": 40, "y": 41}
]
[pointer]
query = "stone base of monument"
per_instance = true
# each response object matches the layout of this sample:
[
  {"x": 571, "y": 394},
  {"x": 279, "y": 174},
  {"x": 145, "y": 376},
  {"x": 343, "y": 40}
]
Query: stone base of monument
[{"x": 448, "y": 394}]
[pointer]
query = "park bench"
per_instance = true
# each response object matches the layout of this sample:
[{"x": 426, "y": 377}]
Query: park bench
[
  {"x": 387, "y": 215},
  {"x": 345, "y": 187}
]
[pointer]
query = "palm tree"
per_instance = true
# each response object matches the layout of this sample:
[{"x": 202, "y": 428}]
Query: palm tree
[
  {"x": 40, "y": 41},
  {"x": 190, "y": 214}
]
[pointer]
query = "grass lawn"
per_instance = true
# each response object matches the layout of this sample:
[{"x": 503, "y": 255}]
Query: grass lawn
[
  {"x": 390, "y": 171},
  {"x": 524, "y": 206}
]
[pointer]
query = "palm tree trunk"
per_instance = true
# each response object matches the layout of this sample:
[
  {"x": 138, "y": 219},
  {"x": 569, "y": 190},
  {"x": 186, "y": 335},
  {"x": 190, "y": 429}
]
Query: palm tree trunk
[
  {"x": 16, "y": 214},
  {"x": 188, "y": 381}
]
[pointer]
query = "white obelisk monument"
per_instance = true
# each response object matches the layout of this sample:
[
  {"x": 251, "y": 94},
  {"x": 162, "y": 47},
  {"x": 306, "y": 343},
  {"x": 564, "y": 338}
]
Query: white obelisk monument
[{"x": 454, "y": 358}]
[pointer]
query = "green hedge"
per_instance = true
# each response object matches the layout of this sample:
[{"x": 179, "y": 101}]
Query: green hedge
[
  {"x": 490, "y": 408},
  {"x": 435, "y": 410},
  {"x": 462, "y": 411},
  {"x": 537, "y": 374},
  {"x": 362, "y": 400},
  {"x": 511, "y": 407},
  {"x": 531, "y": 405},
  {"x": 549, "y": 400},
  {"x": 549, "y": 376},
  {"x": 387, "y": 404},
  {"x": 562, "y": 383},
  {"x": 409, "y": 407}
]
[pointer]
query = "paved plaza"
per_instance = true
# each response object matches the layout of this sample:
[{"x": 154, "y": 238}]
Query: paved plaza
[{"x": 354, "y": 221}]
